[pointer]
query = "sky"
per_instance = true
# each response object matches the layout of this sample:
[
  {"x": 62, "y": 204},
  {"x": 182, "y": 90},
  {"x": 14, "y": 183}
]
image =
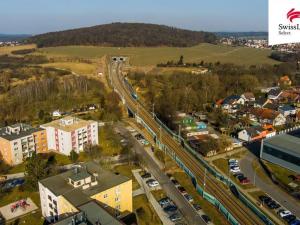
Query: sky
[{"x": 40, "y": 16}]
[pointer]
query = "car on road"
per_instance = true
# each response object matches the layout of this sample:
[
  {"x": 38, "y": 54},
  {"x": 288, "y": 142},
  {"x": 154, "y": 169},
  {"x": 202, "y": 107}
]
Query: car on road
[
  {"x": 146, "y": 175},
  {"x": 188, "y": 197},
  {"x": 139, "y": 137},
  {"x": 175, "y": 217},
  {"x": 170, "y": 208},
  {"x": 132, "y": 130},
  {"x": 152, "y": 183},
  {"x": 242, "y": 179},
  {"x": 206, "y": 219},
  {"x": 182, "y": 190},
  {"x": 197, "y": 207}
]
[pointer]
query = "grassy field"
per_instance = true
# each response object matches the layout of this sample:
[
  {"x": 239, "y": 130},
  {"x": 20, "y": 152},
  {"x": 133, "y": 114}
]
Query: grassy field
[
  {"x": 152, "y": 56},
  {"x": 79, "y": 68},
  {"x": 125, "y": 170},
  {"x": 144, "y": 211},
  {"x": 8, "y": 49}
]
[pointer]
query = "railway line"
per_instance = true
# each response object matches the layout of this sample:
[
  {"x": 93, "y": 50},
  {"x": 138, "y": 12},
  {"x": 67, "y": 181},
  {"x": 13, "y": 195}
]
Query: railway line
[{"x": 241, "y": 213}]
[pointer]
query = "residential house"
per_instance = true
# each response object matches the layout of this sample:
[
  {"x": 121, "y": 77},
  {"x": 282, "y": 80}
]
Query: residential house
[
  {"x": 256, "y": 133},
  {"x": 71, "y": 133},
  {"x": 261, "y": 101},
  {"x": 19, "y": 141},
  {"x": 284, "y": 81},
  {"x": 287, "y": 110},
  {"x": 232, "y": 103},
  {"x": 66, "y": 193},
  {"x": 248, "y": 97},
  {"x": 274, "y": 94},
  {"x": 267, "y": 116},
  {"x": 56, "y": 113}
]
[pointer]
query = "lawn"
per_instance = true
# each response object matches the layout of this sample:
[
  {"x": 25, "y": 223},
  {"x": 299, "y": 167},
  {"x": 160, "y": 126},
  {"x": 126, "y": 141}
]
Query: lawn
[
  {"x": 208, "y": 208},
  {"x": 144, "y": 211},
  {"x": 8, "y": 49},
  {"x": 280, "y": 173},
  {"x": 125, "y": 170},
  {"x": 154, "y": 55},
  {"x": 79, "y": 68}
]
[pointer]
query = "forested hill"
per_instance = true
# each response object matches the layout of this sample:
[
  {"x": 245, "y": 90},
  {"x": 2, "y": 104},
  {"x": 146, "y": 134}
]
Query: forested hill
[{"x": 124, "y": 35}]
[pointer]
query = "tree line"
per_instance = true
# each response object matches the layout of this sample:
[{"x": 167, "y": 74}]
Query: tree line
[{"x": 124, "y": 35}]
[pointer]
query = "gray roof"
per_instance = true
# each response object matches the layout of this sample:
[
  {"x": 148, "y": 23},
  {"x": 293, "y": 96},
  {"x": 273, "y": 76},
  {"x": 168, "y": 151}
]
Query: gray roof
[
  {"x": 289, "y": 143},
  {"x": 59, "y": 184},
  {"x": 90, "y": 213},
  {"x": 26, "y": 130}
]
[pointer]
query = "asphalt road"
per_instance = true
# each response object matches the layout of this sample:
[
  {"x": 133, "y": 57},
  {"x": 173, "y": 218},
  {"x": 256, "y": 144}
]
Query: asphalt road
[
  {"x": 241, "y": 213},
  {"x": 192, "y": 217},
  {"x": 269, "y": 187}
]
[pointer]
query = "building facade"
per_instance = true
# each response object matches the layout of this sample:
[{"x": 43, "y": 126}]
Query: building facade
[
  {"x": 64, "y": 193},
  {"x": 71, "y": 133},
  {"x": 283, "y": 150},
  {"x": 18, "y": 141}
]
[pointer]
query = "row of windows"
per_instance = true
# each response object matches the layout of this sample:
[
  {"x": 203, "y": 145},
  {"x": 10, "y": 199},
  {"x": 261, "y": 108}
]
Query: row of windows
[{"x": 282, "y": 155}]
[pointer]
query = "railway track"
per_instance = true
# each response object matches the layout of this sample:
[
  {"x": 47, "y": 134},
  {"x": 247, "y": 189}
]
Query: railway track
[{"x": 241, "y": 213}]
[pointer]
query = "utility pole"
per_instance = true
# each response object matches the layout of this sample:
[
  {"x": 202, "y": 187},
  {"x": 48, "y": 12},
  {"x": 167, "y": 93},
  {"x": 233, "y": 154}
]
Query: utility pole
[
  {"x": 153, "y": 109},
  {"x": 204, "y": 181},
  {"x": 179, "y": 131}
]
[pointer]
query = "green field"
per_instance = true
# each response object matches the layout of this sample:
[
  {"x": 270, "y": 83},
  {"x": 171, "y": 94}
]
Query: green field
[{"x": 152, "y": 56}]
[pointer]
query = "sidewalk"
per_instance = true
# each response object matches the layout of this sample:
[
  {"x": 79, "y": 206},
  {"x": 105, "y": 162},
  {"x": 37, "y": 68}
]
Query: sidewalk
[{"x": 161, "y": 214}]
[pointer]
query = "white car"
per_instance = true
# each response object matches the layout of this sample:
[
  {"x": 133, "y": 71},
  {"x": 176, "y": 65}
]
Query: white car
[
  {"x": 131, "y": 130},
  {"x": 235, "y": 161},
  {"x": 235, "y": 169},
  {"x": 284, "y": 213},
  {"x": 152, "y": 183}
]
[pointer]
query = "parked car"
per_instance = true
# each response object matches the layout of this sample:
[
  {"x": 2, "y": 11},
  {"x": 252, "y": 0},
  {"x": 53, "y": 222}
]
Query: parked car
[
  {"x": 235, "y": 169},
  {"x": 206, "y": 219},
  {"x": 289, "y": 218},
  {"x": 182, "y": 190},
  {"x": 175, "y": 182},
  {"x": 282, "y": 213},
  {"x": 233, "y": 161},
  {"x": 264, "y": 199},
  {"x": 170, "y": 209},
  {"x": 175, "y": 217},
  {"x": 197, "y": 207},
  {"x": 146, "y": 175},
  {"x": 295, "y": 222},
  {"x": 188, "y": 197},
  {"x": 273, "y": 205},
  {"x": 164, "y": 201},
  {"x": 152, "y": 183}
]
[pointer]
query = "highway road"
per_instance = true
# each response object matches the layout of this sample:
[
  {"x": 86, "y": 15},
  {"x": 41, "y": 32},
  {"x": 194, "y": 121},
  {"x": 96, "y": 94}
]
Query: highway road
[{"x": 241, "y": 213}]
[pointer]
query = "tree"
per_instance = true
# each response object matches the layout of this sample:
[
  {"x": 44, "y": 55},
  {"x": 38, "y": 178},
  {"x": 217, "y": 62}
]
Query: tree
[
  {"x": 35, "y": 170},
  {"x": 93, "y": 151},
  {"x": 180, "y": 62},
  {"x": 41, "y": 114},
  {"x": 73, "y": 156}
]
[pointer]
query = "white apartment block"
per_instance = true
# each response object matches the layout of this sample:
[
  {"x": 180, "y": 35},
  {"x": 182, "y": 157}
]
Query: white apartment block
[{"x": 71, "y": 133}]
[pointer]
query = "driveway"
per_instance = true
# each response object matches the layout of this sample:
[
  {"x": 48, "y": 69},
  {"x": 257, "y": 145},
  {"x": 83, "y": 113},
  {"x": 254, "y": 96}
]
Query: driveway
[{"x": 268, "y": 186}]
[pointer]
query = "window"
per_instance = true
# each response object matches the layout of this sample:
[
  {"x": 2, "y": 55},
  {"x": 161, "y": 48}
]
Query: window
[
  {"x": 117, "y": 199},
  {"x": 50, "y": 205},
  {"x": 78, "y": 183},
  {"x": 118, "y": 207},
  {"x": 49, "y": 197},
  {"x": 54, "y": 202},
  {"x": 105, "y": 196}
]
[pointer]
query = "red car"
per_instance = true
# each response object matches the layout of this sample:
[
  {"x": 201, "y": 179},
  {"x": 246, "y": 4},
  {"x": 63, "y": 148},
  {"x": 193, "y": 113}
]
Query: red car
[{"x": 245, "y": 181}]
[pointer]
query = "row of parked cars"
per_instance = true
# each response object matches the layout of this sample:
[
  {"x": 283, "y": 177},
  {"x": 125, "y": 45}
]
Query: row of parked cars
[
  {"x": 284, "y": 214},
  {"x": 150, "y": 181},
  {"x": 189, "y": 198},
  {"x": 235, "y": 169},
  {"x": 12, "y": 183}
]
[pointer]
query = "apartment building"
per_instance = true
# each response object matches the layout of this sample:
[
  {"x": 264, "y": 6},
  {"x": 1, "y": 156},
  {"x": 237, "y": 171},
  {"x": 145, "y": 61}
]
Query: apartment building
[
  {"x": 71, "y": 133},
  {"x": 62, "y": 195},
  {"x": 18, "y": 141}
]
